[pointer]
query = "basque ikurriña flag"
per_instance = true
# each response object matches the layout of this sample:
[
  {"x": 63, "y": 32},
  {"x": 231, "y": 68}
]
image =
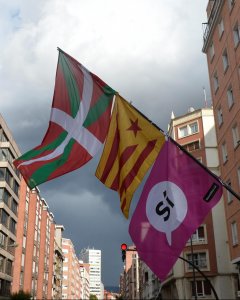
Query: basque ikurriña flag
[
  {"x": 79, "y": 122},
  {"x": 131, "y": 147},
  {"x": 176, "y": 198}
]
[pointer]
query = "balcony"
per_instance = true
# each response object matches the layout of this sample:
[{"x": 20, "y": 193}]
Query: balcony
[{"x": 208, "y": 27}]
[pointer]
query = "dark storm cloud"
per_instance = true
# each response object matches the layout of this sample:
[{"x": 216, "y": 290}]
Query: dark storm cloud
[{"x": 149, "y": 51}]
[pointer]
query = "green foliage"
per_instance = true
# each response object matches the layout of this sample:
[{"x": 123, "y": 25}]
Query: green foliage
[
  {"x": 93, "y": 297},
  {"x": 21, "y": 295}
]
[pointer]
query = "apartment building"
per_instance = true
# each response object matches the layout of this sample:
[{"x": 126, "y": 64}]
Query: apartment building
[
  {"x": 195, "y": 131},
  {"x": 129, "y": 279},
  {"x": 58, "y": 263},
  {"x": 34, "y": 257},
  {"x": 9, "y": 201},
  {"x": 72, "y": 286},
  {"x": 149, "y": 283},
  {"x": 84, "y": 273},
  {"x": 93, "y": 258},
  {"x": 221, "y": 45}
]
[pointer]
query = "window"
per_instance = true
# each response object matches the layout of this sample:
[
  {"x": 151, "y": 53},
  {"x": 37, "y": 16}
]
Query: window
[
  {"x": 4, "y": 218},
  {"x": 193, "y": 128},
  {"x": 215, "y": 82},
  {"x": 24, "y": 242},
  {"x": 4, "y": 196},
  {"x": 236, "y": 35},
  {"x": 229, "y": 195},
  {"x": 199, "y": 260},
  {"x": 2, "y": 174},
  {"x": 231, "y": 4},
  {"x": 12, "y": 226},
  {"x": 33, "y": 267},
  {"x": 202, "y": 288},
  {"x": 15, "y": 187},
  {"x": 220, "y": 28},
  {"x": 146, "y": 277},
  {"x": 199, "y": 235},
  {"x": 220, "y": 116},
  {"x": 3, "y": 154},
  {"x": 224, "y": 152},
  {"x": 22, "y": 260},
  {"x": 8, "y": 177},
  {"x": 238, "y": 171},
  {"x": 225, "y": 60},
  {"x": 3, "y": 137},
  {"x": 14, "y": 206},
  {"x": 27, "y": 205},
  {"x": 235, "y": 135},
  {"x": 9, "y": 267},
  {"x": 192, "y": 146},
  {"x": 211, "y": 51},
  {"x": 3, "y": 239},
  {"x": 2, "y": 259},
  {"x": 230, "y": 97},
  {"x": 188, "y": 129},
  {"x": 21, "y": 279},
  {"x": 234, "y": 233},
  {"x": 183, "y": 131},
  {"x": 6, "y": 155}
]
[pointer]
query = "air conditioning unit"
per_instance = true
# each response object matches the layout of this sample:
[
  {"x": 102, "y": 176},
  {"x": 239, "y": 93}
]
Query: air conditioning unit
[{"x": 238, "y": 293}]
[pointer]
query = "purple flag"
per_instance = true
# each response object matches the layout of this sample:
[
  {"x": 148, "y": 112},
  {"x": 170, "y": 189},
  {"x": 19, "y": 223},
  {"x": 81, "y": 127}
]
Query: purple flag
[{"x": 176, "y": 198}]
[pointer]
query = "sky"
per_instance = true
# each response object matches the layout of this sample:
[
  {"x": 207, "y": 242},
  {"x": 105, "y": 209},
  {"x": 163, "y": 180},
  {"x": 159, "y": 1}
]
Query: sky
[{"x": 149, "y": 51}]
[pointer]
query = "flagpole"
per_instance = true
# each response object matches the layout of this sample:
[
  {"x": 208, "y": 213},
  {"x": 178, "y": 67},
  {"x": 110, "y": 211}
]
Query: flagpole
[
  {"x": 194, "y": 275},
  {"x": 194, "y": 267},
  {"x": 206, "y": 169},
  {"x": 204, "y": 276},
  {"x": 189, "y": 154}
]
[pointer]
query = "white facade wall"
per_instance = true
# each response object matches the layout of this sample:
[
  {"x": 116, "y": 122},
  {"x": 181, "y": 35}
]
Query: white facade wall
[{"x": 93, "y": 258}]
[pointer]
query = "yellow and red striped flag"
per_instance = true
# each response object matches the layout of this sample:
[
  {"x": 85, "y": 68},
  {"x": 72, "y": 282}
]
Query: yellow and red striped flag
[{"x": 131, "y": 147}]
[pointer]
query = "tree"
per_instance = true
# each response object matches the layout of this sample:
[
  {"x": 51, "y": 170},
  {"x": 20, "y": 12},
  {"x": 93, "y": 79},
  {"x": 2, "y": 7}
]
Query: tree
[
  {"x": 93, "y": 297},
  {"x": 21, "y": 295}
]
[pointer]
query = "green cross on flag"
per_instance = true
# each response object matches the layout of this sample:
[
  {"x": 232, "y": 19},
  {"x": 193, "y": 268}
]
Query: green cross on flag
[{"x": 78, "y": 124}]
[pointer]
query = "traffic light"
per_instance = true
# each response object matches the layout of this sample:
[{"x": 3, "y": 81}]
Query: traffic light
[{"x": 124, "y": 249}]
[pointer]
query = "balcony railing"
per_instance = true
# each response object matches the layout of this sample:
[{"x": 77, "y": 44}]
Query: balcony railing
[{"x": 212, "y": 17}]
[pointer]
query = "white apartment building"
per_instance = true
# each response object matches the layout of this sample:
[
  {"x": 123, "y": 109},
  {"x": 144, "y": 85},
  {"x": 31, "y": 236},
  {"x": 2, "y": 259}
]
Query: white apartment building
[
  {"x": 9, "y": 200},
  {"x": 93, "y": 258}
]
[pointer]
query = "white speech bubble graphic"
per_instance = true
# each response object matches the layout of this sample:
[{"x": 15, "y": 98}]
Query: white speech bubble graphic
[{"x": 166, "y": 207}]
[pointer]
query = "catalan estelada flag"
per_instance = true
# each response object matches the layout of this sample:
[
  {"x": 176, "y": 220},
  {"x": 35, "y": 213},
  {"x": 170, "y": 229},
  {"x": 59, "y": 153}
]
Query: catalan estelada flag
[
  {"x": 78, "y": 126},
  {"x": 131, "y": 147},
  {"x": 176, "y": 198}
]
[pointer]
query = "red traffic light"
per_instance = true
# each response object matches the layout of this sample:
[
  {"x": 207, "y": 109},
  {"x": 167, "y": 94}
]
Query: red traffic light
[{"x": 124, "y": 246}]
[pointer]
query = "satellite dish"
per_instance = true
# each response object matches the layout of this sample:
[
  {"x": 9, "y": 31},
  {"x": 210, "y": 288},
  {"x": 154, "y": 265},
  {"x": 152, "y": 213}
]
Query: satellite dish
[{"x": 191, "y": 109}]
